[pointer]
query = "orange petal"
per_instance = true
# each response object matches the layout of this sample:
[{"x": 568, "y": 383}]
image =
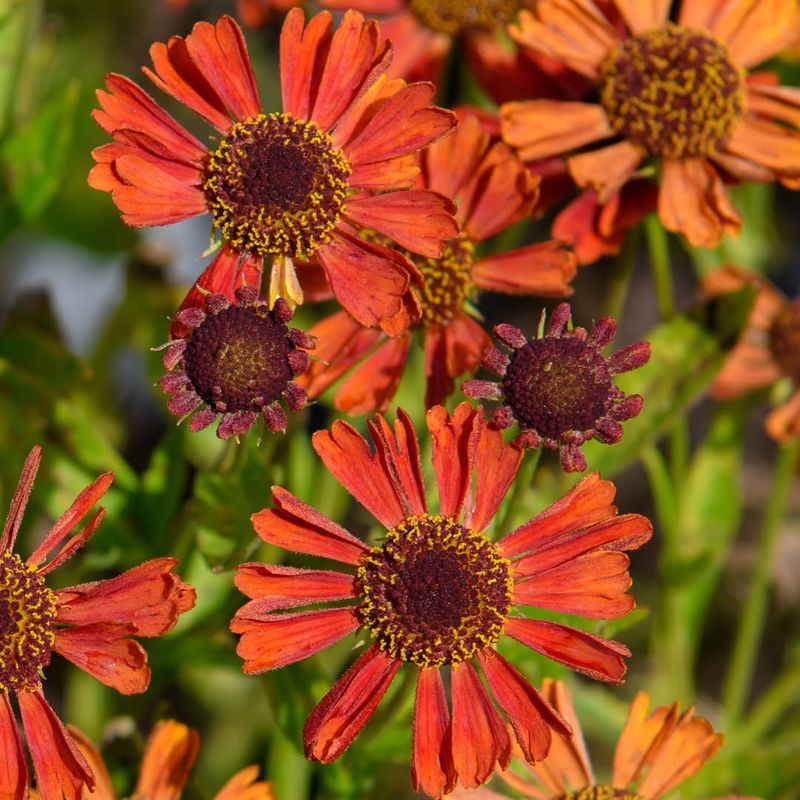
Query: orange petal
[
  {"x": 340, "y": 715},
  {"x": 243, "y": 786},
  {"x": 643, "y": 15},
  {"x": 61, "y": 770},
  {"x": 587, "y": 503},
  {"x": 601, "y": 659},
  {"x": 418, "y": 220},
  {"x": 693, "y": 201},
  {"x": 544, "y": 128},
  {"x": 287, "y": 587},
  {"x": 768, "y": 144},
  {"x": 607, "y": 169},
  {"x": 591, "y": 585},
  {"x": 480, "y": 739},
  {"x": 13, "y": 769},
  {"x": 169, "y": 754},
  {"x": 432, "y": 763},
  {"x": 19, "y": 501},
  {"x": 271, "y": 641},
  {"x": 783, "y": 423},
  {"x": 780, "y": 103},
  {"x": 298, "y": 527},
  {"x": 149, "y": 596},
  {"x": 103, "y": 789},
  {"x": 103, "y": 651},
  {"x": 544, "y": 269},
  {"x": 571, "y": 31}
]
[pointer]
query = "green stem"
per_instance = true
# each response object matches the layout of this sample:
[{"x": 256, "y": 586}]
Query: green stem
[
  {"x": 660, "y": 264},
  {"x": 287, "y": 769},
  {"x": 748, "y": 637},
  {"x": 662, "y": 489},
  {"x": 621, "y": 272},
  {"x": 521, "y": 485}
]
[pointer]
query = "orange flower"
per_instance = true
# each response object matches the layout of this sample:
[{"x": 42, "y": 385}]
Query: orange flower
[
  {"x": 492, "y": 190},
  {"x": 437, "y": 593},
  {"x": 284, "y": 185},
  {"x": 678, "y": 93},
  {"x": 768, "y": 348},
  {"x": 654, "y": 754},
  {"x": 169, "y": 754},
  {"x": 91, "y": 625}
]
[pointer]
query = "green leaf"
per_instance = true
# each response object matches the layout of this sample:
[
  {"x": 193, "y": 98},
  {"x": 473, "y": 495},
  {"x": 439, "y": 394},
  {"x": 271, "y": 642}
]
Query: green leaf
[
  {"x": 36, "y": 153},
  {"x": 15, "y": 21}
]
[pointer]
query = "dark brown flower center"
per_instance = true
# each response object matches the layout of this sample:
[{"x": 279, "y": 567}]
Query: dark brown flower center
[
  {"x": 556, "y": 385},
  {"x": 27, "y": 615},
  {"x": 672, "y": 90},
  {"x": 434, "y": 593},
  {"x": 454, "y": 16},
  {"x": 784, "y": 340},
  {"x": 448, "y": 282},
  {"x": 237, "y": 359},
  {"x": 276, "y": 185},
  {"x": 600, "y": 793}
]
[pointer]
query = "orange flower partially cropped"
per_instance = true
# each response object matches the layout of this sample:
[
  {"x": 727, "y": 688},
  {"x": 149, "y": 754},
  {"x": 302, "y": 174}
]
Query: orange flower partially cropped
[
  {"x": 169, "y": 756},
  {"x": 282, "y": 186},
  {"x": 252, "y": 13},
  {"x": 655, "y": 753},
  {"x": 492, "y": 190},
  {"x": 91, "y": 625},
  {"x": 767, "y": 351},
  {"x": 436, "y": 594},
  {"x": 674, "y": 96}
]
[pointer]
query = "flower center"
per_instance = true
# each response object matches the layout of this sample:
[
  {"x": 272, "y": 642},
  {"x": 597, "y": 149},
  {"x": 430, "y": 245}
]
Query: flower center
[
  {"x": 674, "y": 91},
  {"x": 434, "y": 593},
  {"x": 237, "y": 359},
  {"x": 555, "y": 385},
  {"x": 600, "y": 793},
  {"x": 454, "y": 16},
  {"x": 276, "y": 185},
  {"x": 447, "y": 282},
  {"x": 27, "y": 614},
  {"x": 784, "y": 340}
]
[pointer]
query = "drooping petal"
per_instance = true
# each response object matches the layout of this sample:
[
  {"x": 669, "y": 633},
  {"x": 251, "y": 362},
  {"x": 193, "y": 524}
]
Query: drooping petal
[
  {"x": 587, "y": 503},
  {"x": 61, "y": 770},
  {"x": 104, "y": 651},
  {"x": 149, "y": 596},
  {"x": 532, "y": 719},
  {"x": 480, "y": 739},
  {"x": 20, "y": 499},
  {"x": 544, "y": 269},
  {"x": 295, "y": 526},
  {"x": 453, "y": 455},
  {"x": 432, "y": 761},
  {"x": 601, "y": 659},
  {"x": 340, "y": 715},
  {"x": 169, "y": 755},
  {"x": 270, "y": 641},
  {"x": 103, "y": 789},
  {"x": 287, "y": 587},
  {"x": 13, "y": 769},
  {"x": 347, "y": 456}
]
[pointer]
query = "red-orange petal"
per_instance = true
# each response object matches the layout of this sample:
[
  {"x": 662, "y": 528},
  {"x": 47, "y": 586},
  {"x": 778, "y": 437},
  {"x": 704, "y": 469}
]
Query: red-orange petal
[
  {"x": 605, "y": 170},
  {"x": 150, "y": 597},
  {"x": 449, "y": 164},
  {"x": 295, "y": 526},
  {"x": 592, "y": 585},
  {"x": 270, "y": 641},
  {"x": 587, "y": 503},
  {"x": 432, "y": 762},
  {"x": 340, "y": 715},
  {"x": 418, "y": 220},
  {"x": 544, "y": 269},
  {"x": 105, "y": 652},
  {"x": 169, "y": 754},
  {"x": 287, "y": 587},
  {"x": 72, "y": 545},
  {"x": 13, "y": 769},
  {"x": 497, "y": 464},
  {"x": 19, "y": 501},
  {"x": 531, "y": 718},
  {"x": 61, "y": 770},
  {"x": 453, "y": 454},
  {"x": 347, "y": 456},
  {"x": 103, "y": 789},
  {"x": 480, "y": 738},
  {"x": 601, "y": 659}
]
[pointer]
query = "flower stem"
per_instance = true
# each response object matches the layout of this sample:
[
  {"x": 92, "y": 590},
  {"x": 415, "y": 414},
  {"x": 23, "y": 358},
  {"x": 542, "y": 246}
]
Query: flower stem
[
  {"x": 287, "y": 769},
  {"x": 521, "y": 485},
  {"x": 621, "y": 272},
  {"x": 660, "y": 264},
  {"x": 748, "y": 637}
]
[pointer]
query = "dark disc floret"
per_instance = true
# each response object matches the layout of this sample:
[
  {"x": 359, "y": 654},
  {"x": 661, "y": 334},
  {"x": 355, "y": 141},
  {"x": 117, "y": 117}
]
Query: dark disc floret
[
  {"x": 434, "y": 592},
  {"x": 558, "y": 386},
  {"x": 239, "y": 360}
]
